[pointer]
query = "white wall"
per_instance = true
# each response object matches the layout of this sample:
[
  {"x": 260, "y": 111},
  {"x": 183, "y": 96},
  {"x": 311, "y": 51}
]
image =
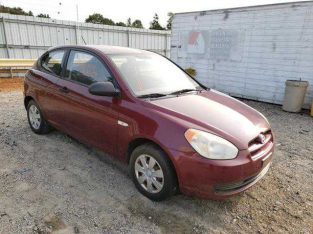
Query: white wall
[
  {"x": 28, "y": 37},
  {"x": 248, "y": 52}
]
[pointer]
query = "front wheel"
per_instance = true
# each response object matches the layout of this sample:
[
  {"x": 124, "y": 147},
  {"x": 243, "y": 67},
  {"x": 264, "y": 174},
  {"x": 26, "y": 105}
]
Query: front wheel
[
  {"x": 152, "y": 172},
  {"x": 35, "y": 119}
]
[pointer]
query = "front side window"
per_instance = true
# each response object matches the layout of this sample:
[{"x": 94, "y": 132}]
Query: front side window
[
  {"x": 149, "y": 73},
  {"x": 52, "y": 62},
  {"x": 86, "y": 69}
]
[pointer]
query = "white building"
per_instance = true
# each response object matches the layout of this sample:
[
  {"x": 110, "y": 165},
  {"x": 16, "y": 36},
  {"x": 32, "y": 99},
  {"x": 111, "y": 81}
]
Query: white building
[{"x": 250, "y": 51}]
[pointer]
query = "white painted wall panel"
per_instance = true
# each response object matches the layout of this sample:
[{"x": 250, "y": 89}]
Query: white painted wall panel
[
  {"x": 248, "y": 52},
  {"x": 2, "y": 39}
]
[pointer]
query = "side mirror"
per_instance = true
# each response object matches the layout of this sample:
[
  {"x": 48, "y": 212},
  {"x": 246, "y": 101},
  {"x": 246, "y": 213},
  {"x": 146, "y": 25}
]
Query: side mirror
[{"x": 103, "y": 89}]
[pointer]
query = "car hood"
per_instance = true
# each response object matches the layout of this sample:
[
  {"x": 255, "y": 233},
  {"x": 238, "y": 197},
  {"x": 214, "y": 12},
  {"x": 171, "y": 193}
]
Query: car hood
[{"x": 215, "y": 112}]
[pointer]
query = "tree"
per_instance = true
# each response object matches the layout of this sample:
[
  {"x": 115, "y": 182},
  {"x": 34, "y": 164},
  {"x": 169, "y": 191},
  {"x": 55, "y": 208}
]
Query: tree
[
  {"x": 43, "y": 15},
  {"x": 169, "y": 21},
  {"x": 97, "y": 18},
  {"x": 155, "y": 23},
  {"x": 121, "y": 24},
  {"x": 137, "y": 24},
  {"x": 14, "y": 11}
]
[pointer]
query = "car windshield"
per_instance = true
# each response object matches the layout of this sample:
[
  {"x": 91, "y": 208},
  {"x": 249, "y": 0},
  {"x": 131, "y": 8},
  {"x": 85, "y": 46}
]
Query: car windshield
[{"x": 151, "y": 74}]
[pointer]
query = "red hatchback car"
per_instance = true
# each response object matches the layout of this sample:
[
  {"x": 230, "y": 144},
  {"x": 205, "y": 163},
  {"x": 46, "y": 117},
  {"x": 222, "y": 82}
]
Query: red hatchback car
[{"x": 141, "y": 108}]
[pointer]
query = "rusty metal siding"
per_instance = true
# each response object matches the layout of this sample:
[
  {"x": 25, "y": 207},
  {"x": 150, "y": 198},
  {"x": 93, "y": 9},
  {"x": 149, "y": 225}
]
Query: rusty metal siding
[
  {"x": 248, "y": 52},
  {"x": 28, "y": 37}
]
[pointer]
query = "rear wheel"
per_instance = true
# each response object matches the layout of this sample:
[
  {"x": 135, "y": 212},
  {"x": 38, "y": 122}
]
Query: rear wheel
[
  {"x": 35, "y": 119},
  {"x": 152, "y": 172}
]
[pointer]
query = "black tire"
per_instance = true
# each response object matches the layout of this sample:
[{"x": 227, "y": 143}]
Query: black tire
[
  {"x": 43, "y": 127},
  {"x": 169, "y": 176}
]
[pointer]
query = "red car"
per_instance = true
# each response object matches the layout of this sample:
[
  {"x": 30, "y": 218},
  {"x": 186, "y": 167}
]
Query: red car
[{"x": 141, "y": 108}]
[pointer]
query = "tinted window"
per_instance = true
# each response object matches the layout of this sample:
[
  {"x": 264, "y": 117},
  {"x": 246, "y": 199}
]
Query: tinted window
[
  {"x": 52, "y": 62},
  {"x": 86, "y": 68}
]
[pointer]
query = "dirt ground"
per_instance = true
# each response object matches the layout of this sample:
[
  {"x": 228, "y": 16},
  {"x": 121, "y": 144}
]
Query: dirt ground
[
  {"x": 10, "y": 84},
  {"x": 53, "y": 183}
]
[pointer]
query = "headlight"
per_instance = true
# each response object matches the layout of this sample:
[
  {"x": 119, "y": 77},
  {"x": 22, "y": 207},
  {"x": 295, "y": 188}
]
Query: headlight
[{"x": 210, "y": 146}]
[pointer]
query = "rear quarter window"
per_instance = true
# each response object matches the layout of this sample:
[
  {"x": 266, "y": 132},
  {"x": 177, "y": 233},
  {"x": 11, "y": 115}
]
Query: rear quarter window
[{"x": 52, "y": 62}]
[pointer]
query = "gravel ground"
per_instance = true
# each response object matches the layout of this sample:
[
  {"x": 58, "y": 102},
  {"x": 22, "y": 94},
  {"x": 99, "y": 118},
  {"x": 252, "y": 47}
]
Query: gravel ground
[{"x": 52, "y": 183}]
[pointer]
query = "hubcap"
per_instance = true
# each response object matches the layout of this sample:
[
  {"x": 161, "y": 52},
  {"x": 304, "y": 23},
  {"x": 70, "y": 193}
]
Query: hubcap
[
  {"x": 149, "y": 173},
  {"x": 34, "y": 117}
]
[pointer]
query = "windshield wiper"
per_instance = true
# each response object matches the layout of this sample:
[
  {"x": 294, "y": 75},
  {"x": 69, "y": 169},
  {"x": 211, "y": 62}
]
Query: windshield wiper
[
  {"x": 183, "y": 91},
  {"x": 152, "y": 95}
]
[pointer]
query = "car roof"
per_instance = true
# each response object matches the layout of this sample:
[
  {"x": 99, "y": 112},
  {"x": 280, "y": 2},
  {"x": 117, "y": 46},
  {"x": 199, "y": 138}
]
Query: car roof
[{"x": 106, "y": 49}]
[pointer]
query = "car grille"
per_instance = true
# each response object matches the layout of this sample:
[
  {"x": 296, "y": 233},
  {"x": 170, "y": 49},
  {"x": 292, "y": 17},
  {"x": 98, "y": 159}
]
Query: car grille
[
  {"x": 231, "y": 187},
  {"x": 257, "y": 148}
]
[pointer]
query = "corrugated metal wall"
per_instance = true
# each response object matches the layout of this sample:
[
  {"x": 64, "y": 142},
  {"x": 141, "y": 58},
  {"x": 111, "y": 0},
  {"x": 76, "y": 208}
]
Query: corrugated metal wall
[
  {"x": 248, "y": 52},
  {"x": 28, "y": 37}
]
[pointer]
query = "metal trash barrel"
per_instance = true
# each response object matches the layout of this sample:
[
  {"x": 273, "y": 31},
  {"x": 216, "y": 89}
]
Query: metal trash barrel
[{"x": 294, "y": 95}]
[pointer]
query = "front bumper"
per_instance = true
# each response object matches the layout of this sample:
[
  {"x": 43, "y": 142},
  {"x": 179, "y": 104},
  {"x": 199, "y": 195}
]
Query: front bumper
[
  {"x": 229, "y": 188},
  {"x": 218, "y": 179}
]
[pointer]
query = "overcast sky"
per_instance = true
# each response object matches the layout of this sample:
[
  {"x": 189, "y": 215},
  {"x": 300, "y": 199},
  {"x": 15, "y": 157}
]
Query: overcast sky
[{"x": 119, "y": 10}]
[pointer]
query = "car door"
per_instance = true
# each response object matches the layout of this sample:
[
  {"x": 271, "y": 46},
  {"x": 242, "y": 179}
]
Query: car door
[
  {"x": 45, "y": 76},
  {"x": 87, "y": 117}
]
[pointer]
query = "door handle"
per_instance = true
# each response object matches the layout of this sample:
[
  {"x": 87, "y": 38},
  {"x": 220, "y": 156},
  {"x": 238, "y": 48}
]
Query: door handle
[{"x": 64, "y": 90}]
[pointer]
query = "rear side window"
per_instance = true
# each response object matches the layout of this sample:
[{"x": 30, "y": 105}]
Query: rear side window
[
  {"x": 86, "y": 69},
  {"x": 52, "y": 62}
]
